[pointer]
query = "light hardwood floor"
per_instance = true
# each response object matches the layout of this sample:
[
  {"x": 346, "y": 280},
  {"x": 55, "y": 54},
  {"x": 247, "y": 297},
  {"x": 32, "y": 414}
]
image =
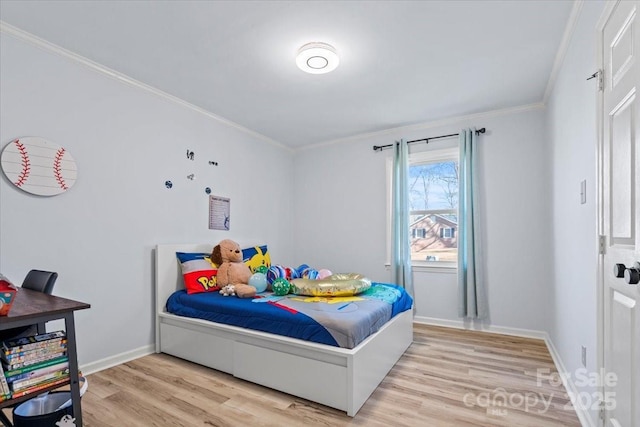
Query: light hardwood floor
[{"x": 447, "y": 377}]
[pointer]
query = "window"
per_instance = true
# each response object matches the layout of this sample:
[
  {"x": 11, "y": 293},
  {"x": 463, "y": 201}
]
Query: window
[
  {"x": 433, "y": 210},
  {"x": 418, "y": 232},
  {"x": 447, "y": 233}
]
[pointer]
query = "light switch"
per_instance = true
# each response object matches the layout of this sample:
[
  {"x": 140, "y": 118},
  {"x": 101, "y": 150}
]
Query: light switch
[{"x": 583, "y": 192}]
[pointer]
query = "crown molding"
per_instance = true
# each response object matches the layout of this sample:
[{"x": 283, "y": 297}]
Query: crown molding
[
  {"x": 123, "y": 78},
  {"x": 430, "y": 125},
  {"x": 562, "y": 49}
]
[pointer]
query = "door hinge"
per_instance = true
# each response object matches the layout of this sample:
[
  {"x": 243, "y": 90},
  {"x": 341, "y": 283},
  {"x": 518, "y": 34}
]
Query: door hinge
[
  {"x": 600, "y": 75},
  {"x": 602, "y": 411},
  {"x": 601, "y": 244}
]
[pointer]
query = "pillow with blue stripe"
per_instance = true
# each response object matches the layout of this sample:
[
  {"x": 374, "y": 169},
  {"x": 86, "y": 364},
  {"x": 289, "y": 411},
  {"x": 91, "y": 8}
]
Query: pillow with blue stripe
[{"x": 198, "y": 272}]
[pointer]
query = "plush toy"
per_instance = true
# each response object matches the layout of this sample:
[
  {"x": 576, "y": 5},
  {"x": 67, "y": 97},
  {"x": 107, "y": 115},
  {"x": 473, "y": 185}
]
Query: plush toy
[
  {"x": 231, "y": 270},
  {"x": 228, "y": 290}
]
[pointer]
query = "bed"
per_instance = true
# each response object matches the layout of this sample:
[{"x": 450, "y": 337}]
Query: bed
[{"x": 337, "y": 377}]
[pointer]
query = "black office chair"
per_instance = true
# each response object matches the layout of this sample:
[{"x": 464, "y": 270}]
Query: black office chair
[
  {"x": 42, "y": 281},
  {"x": 36, "y": 280}
]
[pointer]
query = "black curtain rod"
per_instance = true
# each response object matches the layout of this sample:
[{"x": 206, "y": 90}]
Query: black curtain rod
[{"x": 382, "y": 147}]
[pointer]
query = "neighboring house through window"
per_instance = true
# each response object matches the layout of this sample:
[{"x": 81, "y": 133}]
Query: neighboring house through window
[
  {"x": 433, "y": 207},
  {"x": 433, "y": 210}
]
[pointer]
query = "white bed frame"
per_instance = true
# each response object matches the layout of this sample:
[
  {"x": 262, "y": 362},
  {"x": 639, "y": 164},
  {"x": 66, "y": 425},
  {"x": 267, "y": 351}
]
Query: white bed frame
[{"x": 336, "y": 377}]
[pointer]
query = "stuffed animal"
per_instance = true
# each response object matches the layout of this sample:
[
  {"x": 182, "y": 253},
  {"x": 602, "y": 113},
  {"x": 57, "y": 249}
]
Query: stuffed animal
[
  {"x": 231, "y": 270},
  {"x": 228, "y": 291}
]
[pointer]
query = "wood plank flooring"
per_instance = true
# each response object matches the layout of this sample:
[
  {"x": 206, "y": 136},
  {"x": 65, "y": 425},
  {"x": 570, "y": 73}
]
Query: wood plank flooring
[{"x": 447, "y": 377}]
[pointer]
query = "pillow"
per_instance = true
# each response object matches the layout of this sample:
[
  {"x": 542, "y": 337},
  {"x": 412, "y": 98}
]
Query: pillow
[
  {"x": 256, "y": 256},
  {"x": 198, "y": 271}
]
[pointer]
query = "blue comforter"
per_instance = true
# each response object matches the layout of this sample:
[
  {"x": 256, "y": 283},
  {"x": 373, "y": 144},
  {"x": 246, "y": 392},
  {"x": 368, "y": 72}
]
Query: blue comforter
[{"x": 336, "y": 321}]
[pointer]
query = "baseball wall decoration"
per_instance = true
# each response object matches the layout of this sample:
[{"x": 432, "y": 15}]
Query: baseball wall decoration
[{"x": 38, "y": 166}]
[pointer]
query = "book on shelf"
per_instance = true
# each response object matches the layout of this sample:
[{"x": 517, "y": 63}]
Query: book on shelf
[
  {"x": 31, "y": 364},
  {"x": 11, "y": 373},
  {"x": 4, "y": 386},
  {"x": 32, "y": 342},
  {"x": 26, "y": 349},
  {"x": 38, "y": 372},
  {"x": 41, "y": 386},
  {"x": 45, "y": 357},
  {"x": 21, "y": 356},
  {"x": 20, "y": 385}
]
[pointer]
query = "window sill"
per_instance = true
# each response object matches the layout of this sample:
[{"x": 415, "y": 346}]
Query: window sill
[{"x": 430, "y": 268}]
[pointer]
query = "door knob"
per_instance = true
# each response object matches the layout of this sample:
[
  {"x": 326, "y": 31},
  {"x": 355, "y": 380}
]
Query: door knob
[
  {"x": 631, "y": 275},
  {"x": 618, "y": 270}
]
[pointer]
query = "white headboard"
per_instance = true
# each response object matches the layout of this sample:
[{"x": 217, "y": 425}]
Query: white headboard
[{"x": 168, "y": 273}]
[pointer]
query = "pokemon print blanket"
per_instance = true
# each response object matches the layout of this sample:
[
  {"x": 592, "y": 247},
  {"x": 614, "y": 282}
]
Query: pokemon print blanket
[{"x": 337, "y": 321}]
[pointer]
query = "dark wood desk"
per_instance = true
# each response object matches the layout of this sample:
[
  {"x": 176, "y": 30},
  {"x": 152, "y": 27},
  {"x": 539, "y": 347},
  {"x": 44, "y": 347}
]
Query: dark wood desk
[{"x": 32, "y": 307}]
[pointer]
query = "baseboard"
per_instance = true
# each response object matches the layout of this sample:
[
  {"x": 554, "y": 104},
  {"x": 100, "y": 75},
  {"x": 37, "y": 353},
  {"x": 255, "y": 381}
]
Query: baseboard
[
  {"x": 567, "y": 381},
  {"x": 459, "y": 324},
  {"x": 117, "y": 359}
]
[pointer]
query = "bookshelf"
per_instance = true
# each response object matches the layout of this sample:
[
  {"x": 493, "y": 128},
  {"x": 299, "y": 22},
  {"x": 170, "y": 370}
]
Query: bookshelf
[{"x": 32, "y": 307}]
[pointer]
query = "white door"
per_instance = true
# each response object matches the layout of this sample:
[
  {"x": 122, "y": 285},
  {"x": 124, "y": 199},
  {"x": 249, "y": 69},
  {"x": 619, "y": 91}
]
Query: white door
[{"x": 621, "y": 214}]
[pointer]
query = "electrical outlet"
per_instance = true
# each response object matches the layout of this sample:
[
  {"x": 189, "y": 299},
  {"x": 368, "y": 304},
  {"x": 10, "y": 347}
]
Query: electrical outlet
[{"x": 584, "y": 356}]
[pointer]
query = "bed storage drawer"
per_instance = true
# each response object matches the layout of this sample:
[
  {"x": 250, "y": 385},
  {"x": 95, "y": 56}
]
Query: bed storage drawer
[
  {"x": 197, "y": 346},
  {"x": 316, "y": 380}
]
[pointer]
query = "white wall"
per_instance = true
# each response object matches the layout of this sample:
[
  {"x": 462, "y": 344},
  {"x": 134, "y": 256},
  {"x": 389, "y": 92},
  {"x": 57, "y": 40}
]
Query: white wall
[
  {"x": 341, "y": 212},
  {"x": 571, "y": 117},
  {"x": 99, "y": 235}
]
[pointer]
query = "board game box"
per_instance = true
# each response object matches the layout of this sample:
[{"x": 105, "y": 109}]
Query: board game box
[{"x": 7, "y": 295}]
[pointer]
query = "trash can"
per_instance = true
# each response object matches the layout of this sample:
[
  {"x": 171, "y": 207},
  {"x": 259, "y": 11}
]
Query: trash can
[
  {"x": 42, "y": 411},
  {"x": 51, "y": 409}
]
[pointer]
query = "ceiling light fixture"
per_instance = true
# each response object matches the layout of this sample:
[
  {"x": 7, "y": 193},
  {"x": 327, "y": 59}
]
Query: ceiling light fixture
[{"x": 317, "y": 58}]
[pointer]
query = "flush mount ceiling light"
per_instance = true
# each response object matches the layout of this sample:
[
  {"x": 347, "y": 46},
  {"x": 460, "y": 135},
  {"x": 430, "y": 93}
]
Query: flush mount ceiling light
[{"x": 317, "y": 58}]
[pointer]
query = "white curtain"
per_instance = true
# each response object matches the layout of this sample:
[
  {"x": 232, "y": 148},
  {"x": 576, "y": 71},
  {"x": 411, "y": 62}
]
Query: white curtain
[
  {"x": 400, "y": 247},
  {"x": 472, "y": 301}
]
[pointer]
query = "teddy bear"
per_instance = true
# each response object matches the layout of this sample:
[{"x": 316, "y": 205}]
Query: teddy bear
[{"x": 231, "y": 270}]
